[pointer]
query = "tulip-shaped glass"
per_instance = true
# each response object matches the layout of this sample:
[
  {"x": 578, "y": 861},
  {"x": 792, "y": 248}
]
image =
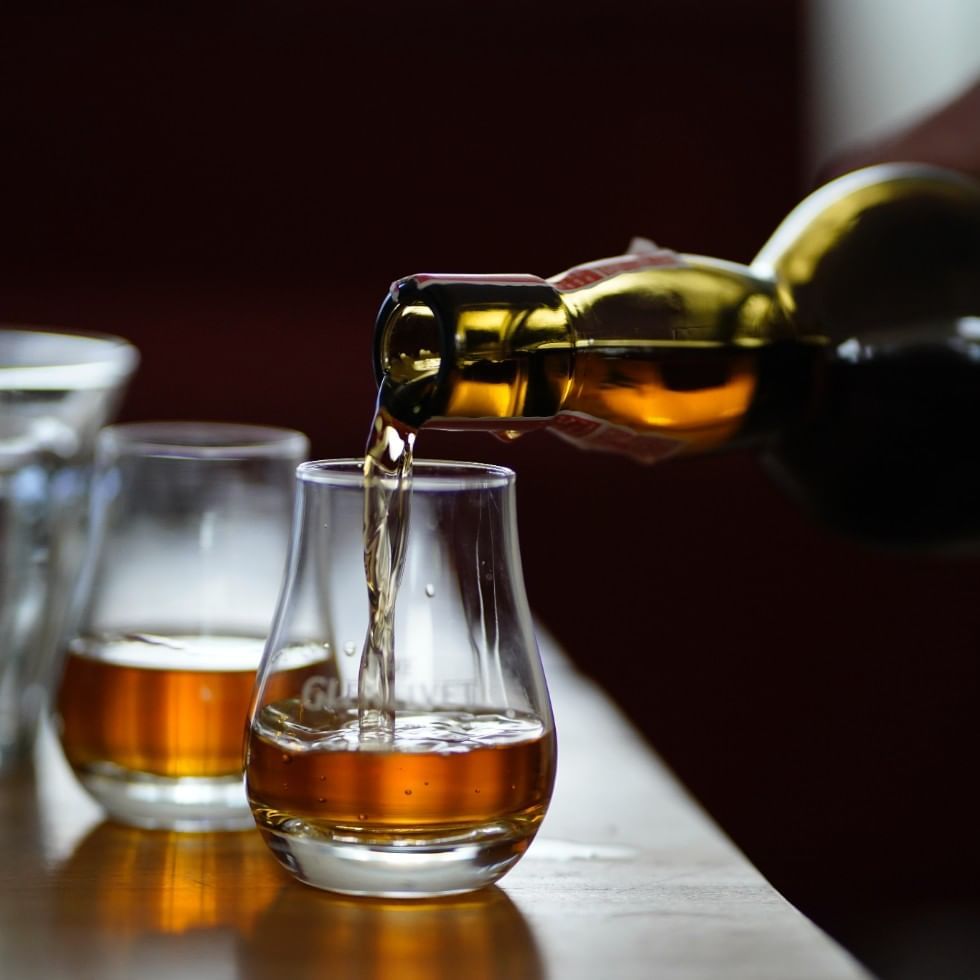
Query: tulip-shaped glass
[
  {"x": 190, "y": 529},
  {"x": 452, "y": 800}
]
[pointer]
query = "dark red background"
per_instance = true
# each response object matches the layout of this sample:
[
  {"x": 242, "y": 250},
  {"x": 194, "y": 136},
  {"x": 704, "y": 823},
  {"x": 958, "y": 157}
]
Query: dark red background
[{"x": 233, "y": 190}]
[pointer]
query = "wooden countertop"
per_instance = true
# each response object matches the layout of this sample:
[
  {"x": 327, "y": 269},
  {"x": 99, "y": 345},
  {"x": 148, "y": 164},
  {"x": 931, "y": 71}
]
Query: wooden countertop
[{"x": 627, "y": 878}]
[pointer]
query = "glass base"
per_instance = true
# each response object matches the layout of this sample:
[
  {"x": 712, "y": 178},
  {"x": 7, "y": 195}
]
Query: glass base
[
  {"x": 162, "y": 803},
  {"x": 425, "y": 869}
]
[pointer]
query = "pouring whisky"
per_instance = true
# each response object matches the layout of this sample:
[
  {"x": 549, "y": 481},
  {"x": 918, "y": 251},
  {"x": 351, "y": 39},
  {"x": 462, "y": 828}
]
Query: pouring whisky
[{"x": 848, "y": 351}]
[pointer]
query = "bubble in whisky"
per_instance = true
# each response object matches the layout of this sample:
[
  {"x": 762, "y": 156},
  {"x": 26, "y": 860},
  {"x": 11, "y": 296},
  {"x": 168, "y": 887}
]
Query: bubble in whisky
[{"x": 477, "y": 767}]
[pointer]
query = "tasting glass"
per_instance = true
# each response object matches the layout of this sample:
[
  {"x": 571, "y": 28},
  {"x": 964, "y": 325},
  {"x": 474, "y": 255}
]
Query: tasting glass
[
  {"x": 64, "y": 386},
  {"x": 25, "y": 549},
  {"x": 454, "y": 798},
  {"x": 190, "y": 528}
]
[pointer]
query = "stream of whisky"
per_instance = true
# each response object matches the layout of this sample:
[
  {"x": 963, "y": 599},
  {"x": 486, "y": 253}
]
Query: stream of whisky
[{"x": 387, "y": 499}]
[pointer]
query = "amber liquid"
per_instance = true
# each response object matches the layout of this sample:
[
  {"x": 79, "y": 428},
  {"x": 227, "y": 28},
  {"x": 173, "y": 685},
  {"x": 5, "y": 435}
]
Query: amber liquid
[
  {"x": 446, "y": 772},
  {"x": 647, "y": 401},
  {"x": 171, "y": 706}
]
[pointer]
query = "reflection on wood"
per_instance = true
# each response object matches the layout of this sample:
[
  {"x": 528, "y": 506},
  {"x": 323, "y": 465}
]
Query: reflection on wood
[
  {"x": 187, "y": 882},
  {"x": 305, "y": 934},
  {"x": 628, "y": 878}
]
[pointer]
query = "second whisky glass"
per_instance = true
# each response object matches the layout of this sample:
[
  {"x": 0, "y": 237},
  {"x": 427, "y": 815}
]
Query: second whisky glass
[
  {"x": 453, "y": 799},
  {"x": 190, "y": 529}
]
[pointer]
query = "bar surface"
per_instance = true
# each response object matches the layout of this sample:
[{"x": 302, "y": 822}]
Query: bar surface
[{"x": 627, "y": 879}]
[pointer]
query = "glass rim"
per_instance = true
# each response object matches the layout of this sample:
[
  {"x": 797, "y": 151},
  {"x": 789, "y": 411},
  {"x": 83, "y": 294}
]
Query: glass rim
[
  {"x": 97, "y": 359},
  {"x": 427, "y": 474},
  {"x": 188, "y": 439}
]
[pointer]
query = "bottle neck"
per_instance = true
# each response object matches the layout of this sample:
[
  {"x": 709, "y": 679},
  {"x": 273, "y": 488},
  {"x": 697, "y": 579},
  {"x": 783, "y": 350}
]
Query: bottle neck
[
  {"x": 661, "y": 349},
  {"x": 478, "y": 349}
]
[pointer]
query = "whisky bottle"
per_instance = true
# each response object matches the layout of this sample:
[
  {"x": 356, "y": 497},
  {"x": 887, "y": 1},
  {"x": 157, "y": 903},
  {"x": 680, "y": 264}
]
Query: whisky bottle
[{"x": 847, "y": 351}]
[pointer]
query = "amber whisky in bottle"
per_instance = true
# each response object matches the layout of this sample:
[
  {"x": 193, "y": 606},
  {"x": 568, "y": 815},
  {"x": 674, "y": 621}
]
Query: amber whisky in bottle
[{"x": 848, "y": 351}]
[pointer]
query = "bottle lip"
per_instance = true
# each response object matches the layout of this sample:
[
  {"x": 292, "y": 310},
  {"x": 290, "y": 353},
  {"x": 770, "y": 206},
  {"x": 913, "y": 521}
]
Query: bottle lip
[
  {"x": 419, "y": 397},
  {"x": 428, "y": 475},
  {"x": 403, "y": 292}
]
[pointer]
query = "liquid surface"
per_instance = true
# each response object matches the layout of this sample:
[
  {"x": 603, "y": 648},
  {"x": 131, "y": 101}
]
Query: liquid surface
[
  {"x": 441, "y": 769},
  {"x": 171, "y": 706}
]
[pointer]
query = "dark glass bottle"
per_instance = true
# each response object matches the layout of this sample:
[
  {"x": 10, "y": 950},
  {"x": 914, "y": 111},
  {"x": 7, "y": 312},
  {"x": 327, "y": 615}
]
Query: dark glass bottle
[{"x": 847, "y": 351}]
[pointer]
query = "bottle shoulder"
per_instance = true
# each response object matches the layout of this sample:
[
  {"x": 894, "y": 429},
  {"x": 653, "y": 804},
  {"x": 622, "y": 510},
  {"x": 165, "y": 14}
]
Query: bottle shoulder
[
  {"x": 696, "y": 299},
  {"x": 876, "y": 248},
  {"x": 837, "y": 203}
]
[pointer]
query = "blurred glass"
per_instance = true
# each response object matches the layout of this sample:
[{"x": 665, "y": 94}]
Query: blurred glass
[
  {"x": 190, "y": 525},
  {"x": 24, "y": 551},
  {"x": 62, "y": 387}
]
